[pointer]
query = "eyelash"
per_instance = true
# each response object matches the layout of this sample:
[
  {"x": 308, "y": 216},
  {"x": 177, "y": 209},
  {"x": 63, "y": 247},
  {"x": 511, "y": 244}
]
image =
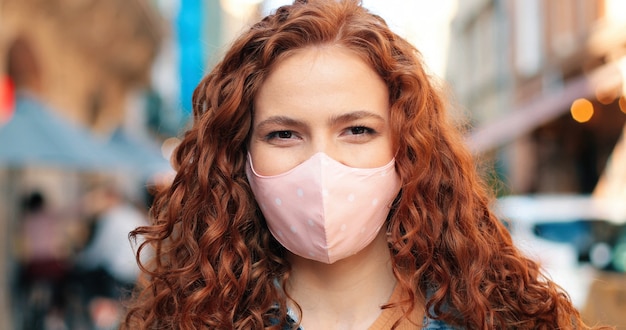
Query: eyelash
[
  {"x": 276, "y": 135},
  {"x": 353, "y": 130},
  {"x": 364, "y": 129}
]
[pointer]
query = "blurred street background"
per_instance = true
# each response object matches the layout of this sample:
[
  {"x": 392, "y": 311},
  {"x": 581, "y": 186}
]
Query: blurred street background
[{"x": 95, "y": 93}]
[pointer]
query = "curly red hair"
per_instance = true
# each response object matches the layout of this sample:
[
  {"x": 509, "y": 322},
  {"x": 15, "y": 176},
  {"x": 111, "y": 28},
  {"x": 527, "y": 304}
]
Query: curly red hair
[{"x": 215, "y": 263}]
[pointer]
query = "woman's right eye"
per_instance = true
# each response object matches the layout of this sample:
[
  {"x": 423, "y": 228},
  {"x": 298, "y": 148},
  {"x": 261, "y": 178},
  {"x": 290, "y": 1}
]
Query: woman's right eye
[{"x": 280, "y": 135}]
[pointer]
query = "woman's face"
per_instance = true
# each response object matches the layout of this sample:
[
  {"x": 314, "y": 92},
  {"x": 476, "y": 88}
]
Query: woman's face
[{"x": 321, "y": 99}]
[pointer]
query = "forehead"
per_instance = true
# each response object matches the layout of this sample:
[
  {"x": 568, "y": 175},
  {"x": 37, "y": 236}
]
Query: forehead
[
  {"x": 321, "y": 77},
  {"x": 318, "y": 56}
]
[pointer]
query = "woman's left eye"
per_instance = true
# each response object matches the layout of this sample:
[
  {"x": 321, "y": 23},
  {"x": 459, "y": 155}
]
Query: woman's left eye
[{"x": 358, "y": 130}]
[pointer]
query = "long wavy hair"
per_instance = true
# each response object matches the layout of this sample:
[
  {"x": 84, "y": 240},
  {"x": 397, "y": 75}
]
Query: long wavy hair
[{"x": 216, "y": 265}]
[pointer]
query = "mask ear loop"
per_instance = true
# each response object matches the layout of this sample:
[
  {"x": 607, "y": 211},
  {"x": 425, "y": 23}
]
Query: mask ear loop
[
  {"x": 395, "y": 129},
  {"x": 396, "y": 201},
  {"x": 396, "y": 145}
]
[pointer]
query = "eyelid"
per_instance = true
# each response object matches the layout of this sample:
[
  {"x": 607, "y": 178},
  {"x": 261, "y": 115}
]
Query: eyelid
[
  {"x": 278, "y": 131},
  {"x": 273, "y": 137},
  {"x": 279, "y": 123},
  {"x": 368, "y": 129}
]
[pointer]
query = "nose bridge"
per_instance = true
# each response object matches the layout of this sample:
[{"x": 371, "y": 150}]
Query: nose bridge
[{"x": 323, "y": 142}]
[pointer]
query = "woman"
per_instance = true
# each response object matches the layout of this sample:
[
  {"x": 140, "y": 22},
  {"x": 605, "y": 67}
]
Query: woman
[{"x": 321, "y": 187}]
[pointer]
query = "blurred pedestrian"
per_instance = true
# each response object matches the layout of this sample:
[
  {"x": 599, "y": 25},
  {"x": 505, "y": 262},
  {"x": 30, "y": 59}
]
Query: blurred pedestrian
[
  {"x": 43, "y": 261},
  {"x": 107, "y": 266}
]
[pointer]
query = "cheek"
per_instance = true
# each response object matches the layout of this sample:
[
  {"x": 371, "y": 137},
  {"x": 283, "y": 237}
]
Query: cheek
[
  {"x": 271, "y": 162},
  {"x": 376, "y": 155}
]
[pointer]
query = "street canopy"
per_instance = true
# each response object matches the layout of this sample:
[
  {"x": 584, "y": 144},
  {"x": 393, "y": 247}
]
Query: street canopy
[{"x": 36, "y": 136}]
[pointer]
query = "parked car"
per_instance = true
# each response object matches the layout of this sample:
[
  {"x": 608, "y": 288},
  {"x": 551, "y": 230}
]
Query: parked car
[{"x": 569, "y": 235}]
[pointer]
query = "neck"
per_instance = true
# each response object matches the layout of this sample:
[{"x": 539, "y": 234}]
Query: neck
[{"x": 347, "y": 293}]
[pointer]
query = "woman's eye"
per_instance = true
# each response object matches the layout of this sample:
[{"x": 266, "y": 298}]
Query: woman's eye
[
  {"x": 358, "y": 130},
  {"x": 280, "y": 135}
]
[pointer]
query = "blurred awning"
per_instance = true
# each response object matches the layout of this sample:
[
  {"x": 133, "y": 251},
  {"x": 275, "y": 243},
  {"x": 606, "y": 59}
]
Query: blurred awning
[
  {"x": 35, "y": 135},
  {"x": 528, "y": 117},
  {"x": 543, "y": 109},
  {"x": 141, "y": 156}
]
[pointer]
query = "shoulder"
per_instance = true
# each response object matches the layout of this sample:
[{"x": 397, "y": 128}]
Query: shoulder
[{"x": 430, "y": 324}]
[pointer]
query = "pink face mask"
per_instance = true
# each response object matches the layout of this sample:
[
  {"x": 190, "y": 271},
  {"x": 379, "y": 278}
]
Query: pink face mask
[{"x": 323, "y": 210}]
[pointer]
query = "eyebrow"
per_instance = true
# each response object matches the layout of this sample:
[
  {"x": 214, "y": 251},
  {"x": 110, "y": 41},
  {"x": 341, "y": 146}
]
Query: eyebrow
[
  {"x": 334, "y": 120},
  {"x": 355, "y": 115},
  {"x": 279, "y": 121}
]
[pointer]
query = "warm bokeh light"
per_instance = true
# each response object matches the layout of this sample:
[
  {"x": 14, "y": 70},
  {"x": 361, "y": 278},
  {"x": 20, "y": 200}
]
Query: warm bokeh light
[
  {"x": 168, "y": 146},
  {"x": 606, "y": 95},
  {"x": 240, "y": 9},
  {"x": 581, "y": 110},
  {"x": 164, "y": 179},
  {"x": 615, "y": 10},
  {"x": 622, "y": 104}
]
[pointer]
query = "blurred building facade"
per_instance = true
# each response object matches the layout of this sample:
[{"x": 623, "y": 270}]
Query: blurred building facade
[
  {"x": 104, "y": 65},
  {"x": 524, "y": 69},
  {"x": 86, "y": 60},
  {"x": 87, "y": 55},
  {"x": 544, "y": 85}
]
